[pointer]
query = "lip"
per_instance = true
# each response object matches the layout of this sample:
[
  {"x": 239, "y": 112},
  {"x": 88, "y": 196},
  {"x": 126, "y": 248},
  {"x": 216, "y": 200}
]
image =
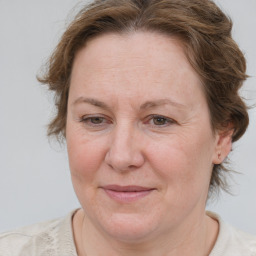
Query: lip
[{"x": 127, "y": 194}]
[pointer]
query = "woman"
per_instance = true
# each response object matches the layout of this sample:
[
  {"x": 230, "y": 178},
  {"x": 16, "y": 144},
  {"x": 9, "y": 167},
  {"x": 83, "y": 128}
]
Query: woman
[{"x": 147, "y": 100}]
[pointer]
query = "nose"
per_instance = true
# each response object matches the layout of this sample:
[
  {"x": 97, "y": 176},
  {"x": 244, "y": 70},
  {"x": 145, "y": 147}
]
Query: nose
[{"x": 125, "y": 149}]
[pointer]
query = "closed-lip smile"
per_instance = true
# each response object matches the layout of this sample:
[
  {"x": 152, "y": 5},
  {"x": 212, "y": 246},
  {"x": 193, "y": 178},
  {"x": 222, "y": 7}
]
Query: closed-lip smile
[{"x": 127, "y": 194}]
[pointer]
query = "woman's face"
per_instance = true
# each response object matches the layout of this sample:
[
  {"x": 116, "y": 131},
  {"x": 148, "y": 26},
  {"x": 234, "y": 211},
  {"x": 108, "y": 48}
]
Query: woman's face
[{"x": 139, "y": 139}]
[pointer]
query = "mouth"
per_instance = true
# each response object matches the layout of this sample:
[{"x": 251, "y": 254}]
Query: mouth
[{"x": 127, "y": 194}]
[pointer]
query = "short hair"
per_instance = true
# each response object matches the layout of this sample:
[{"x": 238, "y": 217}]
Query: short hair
[{"x": 205, "y": 33}]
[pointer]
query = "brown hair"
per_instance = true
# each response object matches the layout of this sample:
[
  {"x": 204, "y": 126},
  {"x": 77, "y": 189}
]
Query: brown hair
[{"x": 206, "y": 35}]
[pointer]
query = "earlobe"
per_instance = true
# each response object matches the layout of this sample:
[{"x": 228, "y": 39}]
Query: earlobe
[{"x": 223, "y": 146}]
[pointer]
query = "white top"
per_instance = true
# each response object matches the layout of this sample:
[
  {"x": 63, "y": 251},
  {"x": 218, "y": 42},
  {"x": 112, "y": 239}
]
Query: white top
[{"x": 55, "y": 238}]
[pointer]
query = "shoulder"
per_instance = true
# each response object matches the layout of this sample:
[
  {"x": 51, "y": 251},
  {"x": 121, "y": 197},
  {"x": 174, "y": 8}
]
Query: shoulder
[
  {"x": 25, "y": 240},
  {"x": 232, "y": 241},
  {"x": 38, "y": 239},
  {"x": 241, "y": 242}
]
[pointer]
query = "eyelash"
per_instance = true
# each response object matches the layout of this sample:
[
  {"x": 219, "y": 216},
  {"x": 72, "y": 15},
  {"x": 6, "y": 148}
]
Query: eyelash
[
  {"x": 167, "y": 121},
  {"x": 88, "y": 120}
]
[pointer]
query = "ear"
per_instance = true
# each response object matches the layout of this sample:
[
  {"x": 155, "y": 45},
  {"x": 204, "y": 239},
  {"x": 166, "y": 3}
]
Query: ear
[{"x": 223, "y": 145}]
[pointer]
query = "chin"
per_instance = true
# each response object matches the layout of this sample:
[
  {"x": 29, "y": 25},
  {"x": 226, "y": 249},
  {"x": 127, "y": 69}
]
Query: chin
[{"x": 129, "y": 228}]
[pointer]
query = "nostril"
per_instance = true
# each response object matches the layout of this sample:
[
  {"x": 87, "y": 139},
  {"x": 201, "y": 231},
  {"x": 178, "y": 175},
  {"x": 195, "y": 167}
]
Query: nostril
[
  {"x": 124, "y": 154},
  {"x": 123, "y": 162},
  {"x": 132, "y": 167}
]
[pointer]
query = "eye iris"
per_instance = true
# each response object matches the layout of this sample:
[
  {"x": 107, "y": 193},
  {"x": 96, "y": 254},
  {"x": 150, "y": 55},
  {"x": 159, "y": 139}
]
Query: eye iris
[
  {"x": 97, "y": 120},
  {"x": 159, "y": 120}
]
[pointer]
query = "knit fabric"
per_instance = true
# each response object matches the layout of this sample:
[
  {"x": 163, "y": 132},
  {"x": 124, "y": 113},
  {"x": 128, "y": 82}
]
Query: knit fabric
[
  {"x": 231, "y": 241},
  {"x": 55, "y": 238},
  {"x": 52, "y": 238}
]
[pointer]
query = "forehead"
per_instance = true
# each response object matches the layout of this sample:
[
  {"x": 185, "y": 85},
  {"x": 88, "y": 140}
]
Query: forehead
[
  {"x": 140, "y": 62},
  {"x": 120, "y": 49}
]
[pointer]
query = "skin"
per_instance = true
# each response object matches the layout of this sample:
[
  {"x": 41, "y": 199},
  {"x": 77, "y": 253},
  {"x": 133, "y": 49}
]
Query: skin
[{"x": 137, "y": 115}]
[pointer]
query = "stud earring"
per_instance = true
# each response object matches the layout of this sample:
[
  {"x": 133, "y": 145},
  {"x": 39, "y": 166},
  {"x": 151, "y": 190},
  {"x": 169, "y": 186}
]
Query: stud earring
[{"x": 219, "y": 155}]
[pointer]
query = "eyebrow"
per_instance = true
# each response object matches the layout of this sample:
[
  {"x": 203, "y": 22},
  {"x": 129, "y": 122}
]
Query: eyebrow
[
  {"x": 146, "y": 105},
  {"x": 91, "y": 101},
  {"x": 161, "y": 102}
]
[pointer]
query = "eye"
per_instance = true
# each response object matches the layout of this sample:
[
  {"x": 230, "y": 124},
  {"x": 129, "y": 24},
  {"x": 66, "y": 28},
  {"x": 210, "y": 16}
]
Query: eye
[
  {"x": 161, "y": 121},
  {"x": 94, "y": 121}
]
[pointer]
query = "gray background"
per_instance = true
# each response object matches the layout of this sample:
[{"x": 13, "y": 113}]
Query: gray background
[{"x": 35, "y": 182}]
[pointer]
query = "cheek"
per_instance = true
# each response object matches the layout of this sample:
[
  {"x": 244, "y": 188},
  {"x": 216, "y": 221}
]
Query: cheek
[
  {"x": 182, "y": 162},
  {"x": 85, "y": 157},
  {"x": 184, "y": 175}
]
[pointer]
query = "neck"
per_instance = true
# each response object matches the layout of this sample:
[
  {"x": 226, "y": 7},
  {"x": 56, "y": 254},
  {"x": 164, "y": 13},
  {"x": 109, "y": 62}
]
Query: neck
[{"x": 187, "y": 240}]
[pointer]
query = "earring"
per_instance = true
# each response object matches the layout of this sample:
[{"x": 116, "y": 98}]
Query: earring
[{"x": 219, "y": 155}]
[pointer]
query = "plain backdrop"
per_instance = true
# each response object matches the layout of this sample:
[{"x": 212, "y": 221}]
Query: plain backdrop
[{"x": 34, "y": 174}]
